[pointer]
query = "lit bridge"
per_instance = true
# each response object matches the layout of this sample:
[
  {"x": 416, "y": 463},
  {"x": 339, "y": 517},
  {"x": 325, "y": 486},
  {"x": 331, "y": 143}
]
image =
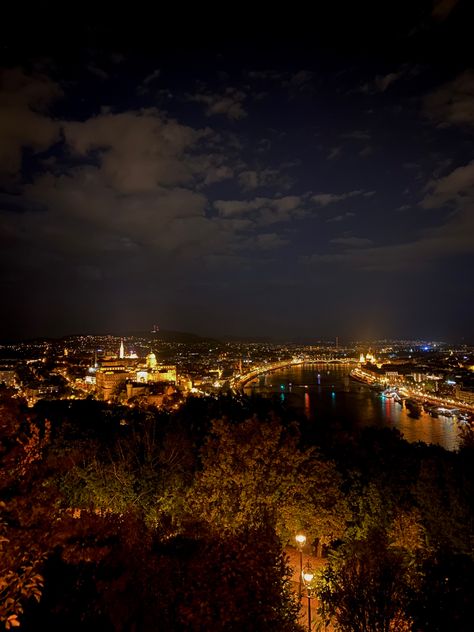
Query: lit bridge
[{"x": 239, "y": 381}]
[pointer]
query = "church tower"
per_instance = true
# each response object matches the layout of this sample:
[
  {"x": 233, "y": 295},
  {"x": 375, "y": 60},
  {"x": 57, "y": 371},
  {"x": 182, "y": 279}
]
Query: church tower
[{"x": 122, "y": 350}]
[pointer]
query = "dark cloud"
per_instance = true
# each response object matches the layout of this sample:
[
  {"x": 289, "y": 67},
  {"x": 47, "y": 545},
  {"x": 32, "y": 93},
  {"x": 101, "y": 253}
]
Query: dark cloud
[
  {"x": 266, "y": 178},
  {"x": 153, "y": 76},
  {"x": 366, "y": 151},
  {"x": 352, "y": 242},
  {"x": 340, "y": 217},
  {"x": 383, "y": 82},
  {"x": 98, "y": 72},
  {"x": 154, "y": 179},
  {"x": 357, "y": 134},
  {"x": 229, "y": 103},
  {"x": 149, "y": 81},
  {"x": 292, "y": 81},
  {"x": 442, "y": 9},
  {"x": 264, "y": 211},
  {"x": 24, "y": 122},
  {"x": 453, "y": 102},
  {"x": 456, "y": 188},
  {"x": 269, "y": 241},
  {"x": 139, "y": 150},
  {"x": 452, "y": 237},
  {"x": 335, "y": 152},
  {"x": 252, "y": 179},
  {"x": 324, "y": 199}
]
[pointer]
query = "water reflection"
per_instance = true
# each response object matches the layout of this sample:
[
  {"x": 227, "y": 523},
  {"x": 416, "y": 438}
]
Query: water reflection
[
  {"x": 307, "y": 405},
  {"x": 327, "y": 392}
]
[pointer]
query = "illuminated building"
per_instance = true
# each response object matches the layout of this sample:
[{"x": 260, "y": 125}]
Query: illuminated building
[
  {"x": 122, "y": 350},
  {"x": 142, "y": 377},
  {"x": 109, "y": 381},
  {"x": 153, "y": 394},
  {"x": 463, "y": 395},
  {"x": 163, "y": 373},
  {"x": 112, "y": 364},
  {"x": 111, "y": 376},
  {"x": 151, "y": 361}
]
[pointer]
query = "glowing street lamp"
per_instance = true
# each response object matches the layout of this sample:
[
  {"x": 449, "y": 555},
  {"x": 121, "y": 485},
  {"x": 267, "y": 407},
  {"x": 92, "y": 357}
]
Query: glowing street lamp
[
  {"x": 300, "y": 542},
  {"x": 309, "y": 575}
]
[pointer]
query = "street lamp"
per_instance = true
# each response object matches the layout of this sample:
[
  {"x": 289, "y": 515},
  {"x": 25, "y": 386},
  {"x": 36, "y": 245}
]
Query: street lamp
[
  {"x": 308, "y": 575},
  {"x": 300, "y": 542}
]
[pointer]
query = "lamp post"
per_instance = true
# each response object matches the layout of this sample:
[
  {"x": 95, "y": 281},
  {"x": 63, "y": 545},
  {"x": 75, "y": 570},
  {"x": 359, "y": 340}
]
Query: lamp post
[
  {"x": 300, "y": 542},
  {"x": 308, "y": 579}
]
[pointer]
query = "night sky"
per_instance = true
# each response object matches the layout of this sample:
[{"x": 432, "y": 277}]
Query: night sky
[{"x": 304, "y": 174}]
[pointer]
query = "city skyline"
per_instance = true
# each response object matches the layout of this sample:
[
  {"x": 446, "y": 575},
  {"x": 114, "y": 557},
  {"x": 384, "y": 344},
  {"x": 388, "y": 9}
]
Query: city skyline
[{"x": 306, "y": 181}]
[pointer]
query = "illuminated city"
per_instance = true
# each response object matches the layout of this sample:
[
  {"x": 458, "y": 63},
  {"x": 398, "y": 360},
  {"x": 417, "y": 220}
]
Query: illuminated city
[
  {"x": 127, "y": 370},
  {"x": 236, "y": 324}
]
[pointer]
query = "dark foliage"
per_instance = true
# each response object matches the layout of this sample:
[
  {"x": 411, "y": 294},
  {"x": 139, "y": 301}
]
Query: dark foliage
[{"x": 100, "y": 523}]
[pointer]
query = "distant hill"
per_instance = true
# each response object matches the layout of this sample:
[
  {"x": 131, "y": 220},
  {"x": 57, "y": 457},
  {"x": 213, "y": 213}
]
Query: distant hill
[
  {"x": 175, "y": 336},
  {"x": 248, "y": 339},
  {"x": 163, "y": 336}
]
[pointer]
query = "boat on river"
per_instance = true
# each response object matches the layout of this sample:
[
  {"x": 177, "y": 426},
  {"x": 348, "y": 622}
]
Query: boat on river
[
  {"x": 413, "y": 406},
  {"x": 390, "y": 393},
  {"x": 431, "y": 409}
]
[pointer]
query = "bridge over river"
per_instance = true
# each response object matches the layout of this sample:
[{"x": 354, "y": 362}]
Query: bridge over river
[{"x": 239, "y": 381}]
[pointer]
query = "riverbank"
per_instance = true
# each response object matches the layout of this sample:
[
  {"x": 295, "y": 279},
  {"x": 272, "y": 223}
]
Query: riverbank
[{"x": 405, "y": 393}]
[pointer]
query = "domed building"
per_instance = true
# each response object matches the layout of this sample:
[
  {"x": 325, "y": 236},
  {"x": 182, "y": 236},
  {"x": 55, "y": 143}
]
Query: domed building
[{"x": 151, "y": 361}]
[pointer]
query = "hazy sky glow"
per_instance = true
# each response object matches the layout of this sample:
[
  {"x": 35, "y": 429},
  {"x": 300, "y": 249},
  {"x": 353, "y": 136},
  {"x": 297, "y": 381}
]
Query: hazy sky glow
[{"x": 317, "y": 182}]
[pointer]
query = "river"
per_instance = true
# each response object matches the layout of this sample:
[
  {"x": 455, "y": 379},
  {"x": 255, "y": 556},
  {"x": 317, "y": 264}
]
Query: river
[{"x": 325, "y": 391}]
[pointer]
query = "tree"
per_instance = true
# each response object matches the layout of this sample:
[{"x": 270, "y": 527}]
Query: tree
[
  {"x": 146, "y": 471},
  {"x": 21, "y": 552},
  {"x": 239, "y": 582},
  {"x": 445, "y": 597},
  {"x": 367, "y": 587},
  {"x": 444, "y": 494},
  {"x": 254, "y": 471}
]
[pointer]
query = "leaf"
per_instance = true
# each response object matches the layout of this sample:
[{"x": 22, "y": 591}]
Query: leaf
[{"x": 12, "y": 621}]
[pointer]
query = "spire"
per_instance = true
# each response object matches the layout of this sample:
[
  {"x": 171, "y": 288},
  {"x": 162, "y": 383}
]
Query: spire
[{"x": 122, "y": 350}]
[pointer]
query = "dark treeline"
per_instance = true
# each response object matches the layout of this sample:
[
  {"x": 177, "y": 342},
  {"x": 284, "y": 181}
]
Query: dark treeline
[{"x": 119, "y": 518}]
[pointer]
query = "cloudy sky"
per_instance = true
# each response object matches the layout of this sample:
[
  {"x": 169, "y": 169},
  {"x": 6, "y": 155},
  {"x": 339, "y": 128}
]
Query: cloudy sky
[{"x": 304, "y": 176}]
